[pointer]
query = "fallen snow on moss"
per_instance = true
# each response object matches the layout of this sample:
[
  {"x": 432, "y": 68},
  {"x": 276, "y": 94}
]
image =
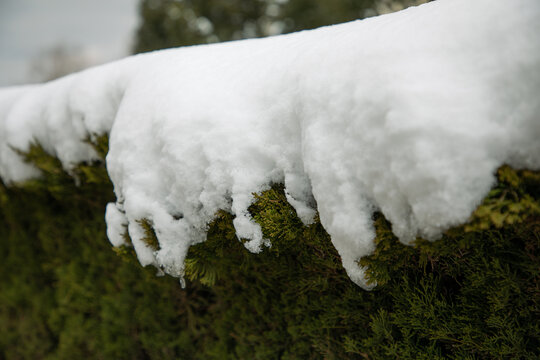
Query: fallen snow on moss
[{"x": 408, "y": 114}]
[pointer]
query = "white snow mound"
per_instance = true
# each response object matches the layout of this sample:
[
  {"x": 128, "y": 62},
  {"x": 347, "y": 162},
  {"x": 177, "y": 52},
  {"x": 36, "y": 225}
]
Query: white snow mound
[{"x": 408, "y": 114}]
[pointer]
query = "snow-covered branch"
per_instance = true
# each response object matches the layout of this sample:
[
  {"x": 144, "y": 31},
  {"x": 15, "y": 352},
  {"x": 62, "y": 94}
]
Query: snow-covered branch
[{"x": 408, "y": 114}]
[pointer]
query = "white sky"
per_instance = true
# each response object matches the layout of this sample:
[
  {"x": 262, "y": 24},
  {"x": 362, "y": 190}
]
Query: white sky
[{"x": 102, "y": 28}]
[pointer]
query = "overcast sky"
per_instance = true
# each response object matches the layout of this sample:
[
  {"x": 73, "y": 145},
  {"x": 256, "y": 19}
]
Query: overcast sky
[{"x": 102, "y": 29}]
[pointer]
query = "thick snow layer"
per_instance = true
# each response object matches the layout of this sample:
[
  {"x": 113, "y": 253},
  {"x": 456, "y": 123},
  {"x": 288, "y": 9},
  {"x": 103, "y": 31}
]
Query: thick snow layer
[{"x": 408, "y": 114}]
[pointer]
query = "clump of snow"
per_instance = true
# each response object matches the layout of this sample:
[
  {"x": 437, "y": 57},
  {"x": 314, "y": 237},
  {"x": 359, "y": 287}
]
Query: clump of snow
[{"x": 408, "y": 114}]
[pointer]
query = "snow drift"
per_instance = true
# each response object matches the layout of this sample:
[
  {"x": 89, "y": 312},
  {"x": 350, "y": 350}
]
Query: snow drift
[{"x": 408, "y": 114}]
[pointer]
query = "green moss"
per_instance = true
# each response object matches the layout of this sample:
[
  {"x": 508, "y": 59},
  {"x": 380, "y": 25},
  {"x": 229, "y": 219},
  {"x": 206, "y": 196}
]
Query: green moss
[{"x": 64, "y": 294}]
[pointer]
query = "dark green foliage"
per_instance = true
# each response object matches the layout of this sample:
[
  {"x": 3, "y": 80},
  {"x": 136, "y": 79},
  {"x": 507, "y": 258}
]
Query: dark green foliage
[
  {"x": 150, "y": 237},
  {"x": 474, "y": 293},
  {"x": 64, "y": 294},
  {"x": 169, "y": 23}
]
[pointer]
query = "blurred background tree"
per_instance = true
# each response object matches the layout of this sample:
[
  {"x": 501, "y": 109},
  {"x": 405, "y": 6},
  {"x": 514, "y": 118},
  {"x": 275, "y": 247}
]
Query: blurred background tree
[{"x": 172, "y": 23}]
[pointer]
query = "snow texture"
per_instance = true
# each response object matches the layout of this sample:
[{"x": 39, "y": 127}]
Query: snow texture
[{"x": 409, "y": 114}]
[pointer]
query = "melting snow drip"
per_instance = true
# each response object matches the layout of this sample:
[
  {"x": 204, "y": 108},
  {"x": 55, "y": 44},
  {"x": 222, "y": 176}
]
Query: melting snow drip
[{"x": 408, "y": 114}]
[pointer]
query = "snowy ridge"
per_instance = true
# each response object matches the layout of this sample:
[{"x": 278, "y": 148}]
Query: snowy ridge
[{"x": 409, "y": 114}]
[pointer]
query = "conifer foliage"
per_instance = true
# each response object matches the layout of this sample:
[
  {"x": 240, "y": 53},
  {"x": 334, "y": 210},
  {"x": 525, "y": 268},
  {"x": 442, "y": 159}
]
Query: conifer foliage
[
  {"x": 64, "y": 294},
  {"x": 474, "y": 294}
]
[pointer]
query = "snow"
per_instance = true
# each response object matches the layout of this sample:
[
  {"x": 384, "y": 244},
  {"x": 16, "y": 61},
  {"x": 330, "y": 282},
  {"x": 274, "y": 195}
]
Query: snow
[{"x": 409, "y": 114}]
